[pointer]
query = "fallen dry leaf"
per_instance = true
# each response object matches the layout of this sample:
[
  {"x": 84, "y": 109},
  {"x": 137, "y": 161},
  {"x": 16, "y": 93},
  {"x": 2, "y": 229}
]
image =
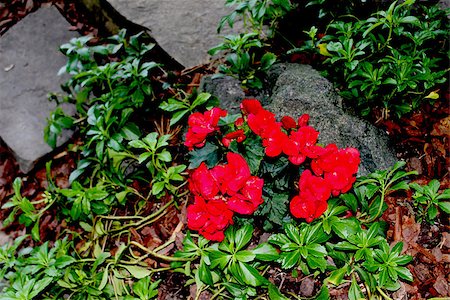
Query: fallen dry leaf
[{"x": 442, "y": 127}]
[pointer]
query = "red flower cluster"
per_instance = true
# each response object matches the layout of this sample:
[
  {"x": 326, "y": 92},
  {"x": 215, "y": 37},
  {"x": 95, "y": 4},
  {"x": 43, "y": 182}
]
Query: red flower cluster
[
  {"x": 300, "y": 144},
  {"x": 299, "y": 141},
  {"x": 221, "y": 191},
  {"x": 230, "y": 188},
  {"x": 201, "y": 125},
  {"x": 338, "y": 168}
]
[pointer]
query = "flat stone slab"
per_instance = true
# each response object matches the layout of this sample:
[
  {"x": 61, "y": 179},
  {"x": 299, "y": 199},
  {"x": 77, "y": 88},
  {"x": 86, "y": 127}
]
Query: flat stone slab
[
  {"x": 186, "y": 29},
  {"x": 29, "y": 63}
]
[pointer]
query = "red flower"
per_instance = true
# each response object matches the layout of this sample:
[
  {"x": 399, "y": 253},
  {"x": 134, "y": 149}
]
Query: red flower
[
  {"x": 202, "y": 182},
  {"x": 250, "y": 106},
  {"x": 209, "y": 219},
  {"x": 307, "y": 209},
  {"x": 235, "y": 174},
  {"x": 201, "y": 125},
  {"x": 339, "y": 167},
  {"x": 262, "y": 123},
  {"x": 340, "y": 181},
  {"x": 239, "y": 122},
  {"x": 313, "y": 187},
  {"x": 312, "y": 199},
  {"x": 303, "y": 120},
  {"x": 304, "y": 139},
  {"x": 274, "y": 142},
  {"x": 249, "y": 198},
  {"x": 288, "y": 123},
  {"x": 237, "y": 135}
]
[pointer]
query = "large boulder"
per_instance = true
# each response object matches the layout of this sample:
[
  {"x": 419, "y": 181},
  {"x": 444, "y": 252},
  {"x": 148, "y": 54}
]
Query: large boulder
[
  {"x": 29, "y": 63},
  {"x": 299, "y": 89}
]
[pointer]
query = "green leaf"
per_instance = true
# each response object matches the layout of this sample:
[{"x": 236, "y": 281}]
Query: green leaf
[
  {"x": 205, "y": 274},
  {"x": 104, "y": 280},
  {"x": 293, "y": 233},
  {"x": 245, "y": 256},
  {"x": 176, "y": 117},
  {"x": 289, "y": 259},
  {"x": 137, "y": 271},
  {"x": 346, "y": 227},
  {"x": 165, "y": 156},
  {"x": 207, "y": 154},
  {"x": 275, "y": 294},
  {"x": 158, "y": 187},
  {"x": 35, "y": 232},
  {"x": 445, "y": 206},
  {"x": 432, "y": 212},
  {"x": 130, "y": 132},
  {"x": 355, "y": 293},
  {"x": 64, "y": 261},
  {"x": 137, "y": 144},
  {"x": 144, "y": 156},
  {"x": 268, "y": 60},
  {"x": 350, "y": 201},
  {"x": 265, "y": 252},
  {"x": 243, "y": 236},
  {"x": 251, "y": 276},
  {"x": 151, "y": 139},
  {"x": 254, "y": 154},
  {"x": 337, "y": 276},
  {"x": 404, "y": 273},
  {"x": 201, "y": 99},
  {"x": 218, "y": 258}
]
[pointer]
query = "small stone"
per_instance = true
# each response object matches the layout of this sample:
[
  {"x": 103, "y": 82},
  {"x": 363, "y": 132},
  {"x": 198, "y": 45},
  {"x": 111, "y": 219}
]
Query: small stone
[{"x": 307, "y": 287}]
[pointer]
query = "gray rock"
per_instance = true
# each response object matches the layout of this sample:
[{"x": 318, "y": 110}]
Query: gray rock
[
  {"x": 299, "y": 89},
  {"x": 185, "y": 29},
  {"x": 227, "y": 89},
  {"x": 29, "y": 63}
]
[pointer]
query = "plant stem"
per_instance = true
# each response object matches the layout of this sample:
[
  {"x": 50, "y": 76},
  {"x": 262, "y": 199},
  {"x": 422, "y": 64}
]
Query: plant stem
[
  {"x": 217, "y": 293},
  {"x": 158, "y": 255},
  {"x": 383, "y": 294}
]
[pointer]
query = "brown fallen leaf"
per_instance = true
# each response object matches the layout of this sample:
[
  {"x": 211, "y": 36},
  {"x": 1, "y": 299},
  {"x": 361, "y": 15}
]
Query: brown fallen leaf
[{"x": 442, "y": 127}]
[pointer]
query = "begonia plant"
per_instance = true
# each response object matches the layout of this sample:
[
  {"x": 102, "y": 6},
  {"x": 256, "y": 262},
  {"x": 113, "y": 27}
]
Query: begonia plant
[{"x": 239, "y": 163}]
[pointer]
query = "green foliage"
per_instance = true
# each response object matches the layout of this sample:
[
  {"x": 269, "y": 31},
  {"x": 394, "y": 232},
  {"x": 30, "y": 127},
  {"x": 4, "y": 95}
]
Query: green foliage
[
  {"x": 230, "y": 264},
  {"x": 56, "y": 272},
  {"x": 391, "y": 60},
  {"x": 183, "y": 107},
  {"x": 256, "y": 14},
  {"x": 429, "y": 201},
  {"x": 369, "y": 192},
  {"x": 244, "y": 59},
  {"x": 302, "y": 247},
  {"x": 26, "y": 210}
]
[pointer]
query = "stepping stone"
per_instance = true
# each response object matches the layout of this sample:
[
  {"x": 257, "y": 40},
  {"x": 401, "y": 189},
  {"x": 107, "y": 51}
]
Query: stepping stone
[
  {"x": 186, "y": 29},
  {"x": 29, "y": 63}
]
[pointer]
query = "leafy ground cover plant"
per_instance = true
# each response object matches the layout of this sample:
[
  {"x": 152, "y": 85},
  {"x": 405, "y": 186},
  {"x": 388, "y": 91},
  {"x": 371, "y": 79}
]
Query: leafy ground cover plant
[
  {"x": 243, "y": 61},
  {"x": 246, "y": 59},
  {"x": 391, "y": 60},
  {"x": 256, "y": 14}
]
